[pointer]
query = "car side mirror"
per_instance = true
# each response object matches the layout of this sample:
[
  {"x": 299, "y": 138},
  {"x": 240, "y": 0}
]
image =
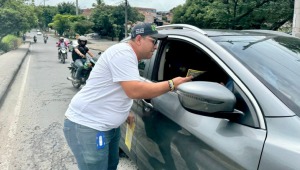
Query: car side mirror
[{"x": 208, "y": 99}]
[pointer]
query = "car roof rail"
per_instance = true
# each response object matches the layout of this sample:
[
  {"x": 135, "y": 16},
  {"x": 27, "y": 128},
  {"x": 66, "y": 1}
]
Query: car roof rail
[
  {"x": 269, "y": 32},
  {"x": 174, "y": 26}
]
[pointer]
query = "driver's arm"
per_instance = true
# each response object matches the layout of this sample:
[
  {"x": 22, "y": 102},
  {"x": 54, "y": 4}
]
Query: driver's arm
[
  {"x": 79, "y": 53},
  {"x": 90, "y": 53}
]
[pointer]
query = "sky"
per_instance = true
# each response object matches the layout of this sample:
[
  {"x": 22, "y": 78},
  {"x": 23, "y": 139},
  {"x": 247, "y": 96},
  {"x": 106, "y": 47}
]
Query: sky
[{"x": 159, "y": 5}]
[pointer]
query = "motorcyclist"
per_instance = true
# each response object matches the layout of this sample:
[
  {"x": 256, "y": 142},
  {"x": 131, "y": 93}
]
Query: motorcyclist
[
  {"x": 79, "y": 55},
  {"x": 45, "y": 36},
  {"x": 61, "y": 44}
]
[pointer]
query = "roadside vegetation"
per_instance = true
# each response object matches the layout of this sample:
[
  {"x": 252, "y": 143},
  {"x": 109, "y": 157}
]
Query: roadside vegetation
[
  {"x": 9, "y": 42},
  {"x": 20, "y": 16},
  {"x": 235, "y": 14}
]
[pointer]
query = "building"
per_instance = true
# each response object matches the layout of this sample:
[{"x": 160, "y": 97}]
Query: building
[
  {"x": 149, "y": 13},
  {"x": 87, "y": 12}
]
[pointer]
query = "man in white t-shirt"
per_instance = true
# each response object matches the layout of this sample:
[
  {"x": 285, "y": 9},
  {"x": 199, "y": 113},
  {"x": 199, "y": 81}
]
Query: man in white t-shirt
[{"x": 94, "y": 116}]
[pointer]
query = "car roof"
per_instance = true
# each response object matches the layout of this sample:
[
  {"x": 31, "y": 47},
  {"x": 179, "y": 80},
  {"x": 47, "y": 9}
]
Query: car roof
[
  {"x": 192, "y": 31},
  {"x": 222, "y": 32}
]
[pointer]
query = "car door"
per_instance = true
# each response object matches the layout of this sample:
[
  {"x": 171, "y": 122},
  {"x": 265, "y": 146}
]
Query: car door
[
  {"x": 170, "y": 137},
  {"x": 143, "y": 66}
]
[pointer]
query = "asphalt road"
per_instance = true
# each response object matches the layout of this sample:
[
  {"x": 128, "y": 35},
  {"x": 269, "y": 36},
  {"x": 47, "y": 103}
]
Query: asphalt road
[{"x": 32, "y": 115}]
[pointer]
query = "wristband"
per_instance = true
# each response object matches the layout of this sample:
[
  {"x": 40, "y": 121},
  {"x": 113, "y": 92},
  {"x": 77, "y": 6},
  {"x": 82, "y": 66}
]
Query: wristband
[{"x": 171, "y": 85}]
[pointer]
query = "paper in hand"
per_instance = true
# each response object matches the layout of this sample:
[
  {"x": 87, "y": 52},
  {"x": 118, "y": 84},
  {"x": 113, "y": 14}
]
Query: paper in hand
[
  {"x": 129, "y": 134},
  {"x": 194, "y": 73}
]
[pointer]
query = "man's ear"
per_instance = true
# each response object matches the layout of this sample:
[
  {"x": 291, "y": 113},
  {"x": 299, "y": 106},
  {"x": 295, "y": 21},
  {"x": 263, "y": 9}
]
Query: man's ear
[{"x": 138, "y": 39}]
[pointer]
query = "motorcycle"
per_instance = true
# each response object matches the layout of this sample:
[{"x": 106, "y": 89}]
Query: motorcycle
[
  {"x": 87, "y": 68},
  {"x": 34, "y": 39},
  {"x": 63, "y": 54},
  {"x": 45, "y": 40}
]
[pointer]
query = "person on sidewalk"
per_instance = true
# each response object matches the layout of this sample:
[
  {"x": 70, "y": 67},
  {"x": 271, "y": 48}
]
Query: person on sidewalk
[
  {"x": 79, "y": 56},
  {"x": 34, "y": 38},
  {"x": 103, "y": 104},
  {"x": 24, "y": 38}
]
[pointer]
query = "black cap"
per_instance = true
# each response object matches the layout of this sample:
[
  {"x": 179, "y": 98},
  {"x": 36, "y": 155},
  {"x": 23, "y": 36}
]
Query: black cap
[{"x": 145, "y": 29}]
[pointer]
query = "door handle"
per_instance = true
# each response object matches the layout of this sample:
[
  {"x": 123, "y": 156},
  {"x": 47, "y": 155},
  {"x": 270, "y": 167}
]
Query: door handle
[{"x": 148, "y": 105}]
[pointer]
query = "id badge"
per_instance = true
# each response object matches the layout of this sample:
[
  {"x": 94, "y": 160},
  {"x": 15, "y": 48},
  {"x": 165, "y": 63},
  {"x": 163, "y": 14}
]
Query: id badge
[{"x": 100, "y": 140}]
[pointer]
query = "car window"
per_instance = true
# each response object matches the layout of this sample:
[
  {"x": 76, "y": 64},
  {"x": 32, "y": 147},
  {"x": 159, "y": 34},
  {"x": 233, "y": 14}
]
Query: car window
[
  {"x": 273, "y": 60},
  {"x": 176, "y": 57}
]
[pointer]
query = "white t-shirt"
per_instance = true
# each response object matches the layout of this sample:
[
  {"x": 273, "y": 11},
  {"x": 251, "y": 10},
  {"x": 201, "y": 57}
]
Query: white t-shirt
[{"x": 102, "y": 103}]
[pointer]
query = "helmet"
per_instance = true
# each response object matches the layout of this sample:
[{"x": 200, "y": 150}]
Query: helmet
[
  {"x": 61, "y": 39},
  {"x": 82, "y": 40}
]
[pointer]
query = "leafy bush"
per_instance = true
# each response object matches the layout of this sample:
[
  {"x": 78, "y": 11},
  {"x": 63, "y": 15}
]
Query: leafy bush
[{"x": 9, "y": 42}]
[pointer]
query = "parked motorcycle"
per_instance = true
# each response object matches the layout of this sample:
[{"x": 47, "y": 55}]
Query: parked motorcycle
[
  {"x": 63, "y": 54},
  {"x": 87, "y": 68}
]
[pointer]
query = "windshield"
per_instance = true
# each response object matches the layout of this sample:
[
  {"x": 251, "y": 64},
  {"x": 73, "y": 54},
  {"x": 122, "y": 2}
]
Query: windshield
[{"x": 275, "y": 61}]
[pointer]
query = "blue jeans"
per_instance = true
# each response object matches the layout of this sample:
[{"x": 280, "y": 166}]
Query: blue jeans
[
  {"x": 82, "y": 141},
  {"x": 79, "y": 64}
]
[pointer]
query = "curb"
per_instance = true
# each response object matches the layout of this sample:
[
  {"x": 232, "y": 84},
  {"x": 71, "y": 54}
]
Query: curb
[{"x": 9, "y": 82}]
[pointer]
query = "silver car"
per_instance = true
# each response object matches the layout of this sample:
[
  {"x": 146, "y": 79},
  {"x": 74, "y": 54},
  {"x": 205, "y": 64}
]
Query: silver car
[{"x": 241, "y": 111}]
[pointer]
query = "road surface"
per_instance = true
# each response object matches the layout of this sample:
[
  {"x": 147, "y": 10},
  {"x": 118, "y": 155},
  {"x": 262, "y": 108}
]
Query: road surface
[{"x": 32, "y": 115}]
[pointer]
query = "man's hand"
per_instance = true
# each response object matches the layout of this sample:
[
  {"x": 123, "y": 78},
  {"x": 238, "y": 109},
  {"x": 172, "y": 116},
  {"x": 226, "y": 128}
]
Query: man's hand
[
  {"x": 179, "y": 80},
  {"x": 130, "y": 119}
]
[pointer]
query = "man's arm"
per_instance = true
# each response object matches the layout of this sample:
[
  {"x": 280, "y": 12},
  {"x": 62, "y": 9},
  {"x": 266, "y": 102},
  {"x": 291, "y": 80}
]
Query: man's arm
[
  {"x": 145, "y": 90},
  {"x": 79, "y": 53},
  {"x": 90, "y": 53}
]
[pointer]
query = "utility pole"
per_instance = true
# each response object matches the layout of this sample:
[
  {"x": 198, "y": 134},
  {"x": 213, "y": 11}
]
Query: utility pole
[
  {"x": 296, "y": 20},
  {"x": 76, "y": 7},
  {"x": 44, "y": 14},
  {"x": 125, "y": 18}
]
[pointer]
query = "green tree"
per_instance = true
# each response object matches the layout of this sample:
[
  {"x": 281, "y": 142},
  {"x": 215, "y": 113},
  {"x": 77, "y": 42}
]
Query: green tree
[
  {"x": 101, "y": 15},
  {"x": 45, "y": 14},
  {"x": 8, "y": 25},
  {"x": 67, "y": 8},
  {"x": 235, "y": 14},
  {"x": 98, "y": 2},
  {"x": 61, "y": 23},
  {"x": 119, "y": 16},
  {"x": 16, "y": 17},
  {"x": 83, "y": 27},
  {"x": 105, "y": 16},
  {"x": 66, "y": 24}
]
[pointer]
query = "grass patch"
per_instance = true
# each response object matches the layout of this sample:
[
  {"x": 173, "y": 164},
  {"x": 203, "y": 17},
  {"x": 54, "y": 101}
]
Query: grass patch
[{"x": 9, "y": 42}]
